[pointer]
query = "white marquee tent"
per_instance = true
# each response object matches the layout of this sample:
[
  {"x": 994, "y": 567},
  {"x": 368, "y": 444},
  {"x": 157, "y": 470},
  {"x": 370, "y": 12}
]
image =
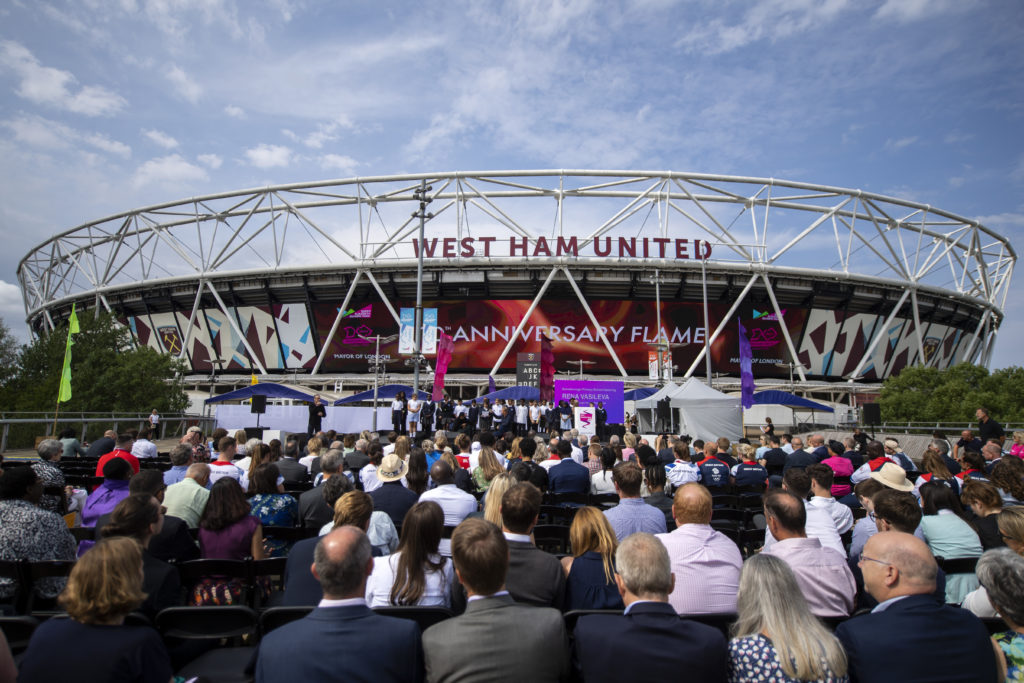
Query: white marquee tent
[{"x": 697, "y": 410}]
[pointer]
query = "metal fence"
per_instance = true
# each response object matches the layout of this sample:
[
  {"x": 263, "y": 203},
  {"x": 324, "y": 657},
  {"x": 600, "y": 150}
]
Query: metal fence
[{"x": 21, "y": 423}]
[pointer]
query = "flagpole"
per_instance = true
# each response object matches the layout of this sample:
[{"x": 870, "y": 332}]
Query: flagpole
[{"x": 64, "y": 389}]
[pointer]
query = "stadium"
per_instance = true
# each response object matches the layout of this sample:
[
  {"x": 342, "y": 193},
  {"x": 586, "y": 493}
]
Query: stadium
[{"x": 837, "y": 288}]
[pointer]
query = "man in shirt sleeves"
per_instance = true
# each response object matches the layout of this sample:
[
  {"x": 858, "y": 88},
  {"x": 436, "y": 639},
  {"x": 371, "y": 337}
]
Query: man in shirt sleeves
[
  {"x": 495, "y": 639},
  {"x": 456, "y": 503},
  {"x": 317, "y": 412},
  {"x": 362, "y": 644}
]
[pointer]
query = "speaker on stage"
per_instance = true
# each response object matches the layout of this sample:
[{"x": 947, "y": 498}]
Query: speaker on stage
[
  {"x": 253, "y": 433},
  {"x": 872, "y": 414},
  {"x": 259, "y": 405}
]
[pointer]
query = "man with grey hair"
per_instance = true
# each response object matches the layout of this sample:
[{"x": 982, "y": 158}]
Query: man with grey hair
[
  {"x": 364, "y": 645},
  {"x": 992, "y": 454},
  {"x": 54, "y": 496},
  {"x": 181, "y": 458},
  {"x": 313, "y": 511},
  {"x": 941, "y": 447},
  {"x": 358, "y": 459},
  {"x": 887, "y": 644},
  {"x": 187, "y": 499},
  {"x": 659, "y": 643},
  {"x": 289, "y": 466}
]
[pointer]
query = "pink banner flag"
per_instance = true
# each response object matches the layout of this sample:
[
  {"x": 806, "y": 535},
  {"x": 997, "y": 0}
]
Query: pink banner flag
[
  {"x": 445, "y": 346},
  {"x": 547, "y": 369}
]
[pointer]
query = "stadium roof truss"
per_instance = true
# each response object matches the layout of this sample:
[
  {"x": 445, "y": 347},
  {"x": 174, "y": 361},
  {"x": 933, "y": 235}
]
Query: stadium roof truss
[{"x": 762, "y": 229}]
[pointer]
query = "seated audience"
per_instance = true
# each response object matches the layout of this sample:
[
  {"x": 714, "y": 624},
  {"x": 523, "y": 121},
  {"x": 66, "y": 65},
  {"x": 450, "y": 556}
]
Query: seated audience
[
  {"x": 415, "y": 574},
  {"x": 821, "y": 572},
  {"x": 1007, "y": 475},
  {"x": 841, "y": 466},
  {"x": 698, "y": 552},
  {"x": 973, "y": 467},
  {"x": 654, "y": 476},
  {"x": 777, "y": 637},
  {"x": 933, "y": 468},
  {"x": 314, "y": 511},
  {"x": 492, "y": 500},
  {"x": 72, "y": 447},
  {"x": 488, "y": 467},
  {"x": 364, "y": 646},
  {"x": 368, "y": 473},
  {"x": 534, "y": 577},
  {"x": 713, "y": 472},
  {"x": 28, "y": 532},
  {"x": 122, "y": 450},
  {"x": 227, "y": 531},
  {"x": 682, "y": 470},
  {"x": 876, "y": 460},
  {"x": 820, "y": 524},
  {"x": 1011, "y": 528},
  {"x": 748, "y": 472},
  {"x": 289, "y": 466},
  {"x": 391, "y": 497},
  {"x": 567, "y": 475},
  {"x": 456, "y": 503},
  {"x": 532, "y": 472},
  {"x": 949, "y": 536},
  {"x": 601, "y": 481},
  {"x": 590, "y": 572},
  {"x": 418, "y": 477},
  {"x": 51, "y": 476},
  {"x": 143, "y": 447},
  {"x": 1001, "y": 573},
  {"x": 821, "y": 477},
  {"x": 632, "y": 514},
  {"x": 648, "y": 641},
  {"x": 187, "y": 499},
  {"x": 181, "y": 458},
  {"x": 223, "y": 468},
  {"x": 107, "y": 495},
  {"x": 94, "y": 644},
  {"x": 495, "y": 636},
  {"x": 985, "y": 502},
  {"x": 271, "y": 505},
  {"x": 313, "y": 449},
  {"x": 865, "y": 527},
  {"x": 920, "y": 638},
  {"x": 140, "y": 517}
]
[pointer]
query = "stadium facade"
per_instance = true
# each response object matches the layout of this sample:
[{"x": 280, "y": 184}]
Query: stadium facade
[{"x": 831, "y": 284}]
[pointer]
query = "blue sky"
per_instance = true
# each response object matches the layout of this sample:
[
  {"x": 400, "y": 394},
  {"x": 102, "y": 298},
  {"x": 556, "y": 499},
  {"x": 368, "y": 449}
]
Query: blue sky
[{"x": 107, "y": 105}]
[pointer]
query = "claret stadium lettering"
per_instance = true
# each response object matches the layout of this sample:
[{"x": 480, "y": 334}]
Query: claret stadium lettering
[
  {"x": 524, "y": 247},
  {"x": 573, "y": 333}
]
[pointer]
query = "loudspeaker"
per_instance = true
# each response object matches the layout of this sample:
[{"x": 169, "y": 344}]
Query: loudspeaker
[
  {"x": 259, "y": 405},
  {"x": 872, "y": 414},
  {"x": 253, "y": 433}
]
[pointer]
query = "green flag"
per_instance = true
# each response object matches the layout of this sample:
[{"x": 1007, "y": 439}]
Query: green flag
[{"x": 65, "y": 375}]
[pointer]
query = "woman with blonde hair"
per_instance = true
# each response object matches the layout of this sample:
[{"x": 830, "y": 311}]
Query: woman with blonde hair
[
  {"x": 487, "y": 470},
  {"x": 313, "y": 447},
  {"x": 402, "y": 447},
  {"x": 590, "y": 573},
  {"x": 94, "y": 644},
  {"x": 1018, "y": 445},
  {"x": 492, "y": 502},
  {"x": 630, "y": 448},
  {"x": 933, "y": 468},
  {"x": 776, "y": 636}
]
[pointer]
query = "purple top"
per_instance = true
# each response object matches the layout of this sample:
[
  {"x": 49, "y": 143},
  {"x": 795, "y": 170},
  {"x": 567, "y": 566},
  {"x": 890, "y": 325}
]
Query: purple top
[
  {"x": 230, "y": 543},
  {"x": 103, "y": 500}
]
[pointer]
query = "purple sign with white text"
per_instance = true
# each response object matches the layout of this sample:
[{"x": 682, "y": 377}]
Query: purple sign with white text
[{"x": 593, "y": 391}]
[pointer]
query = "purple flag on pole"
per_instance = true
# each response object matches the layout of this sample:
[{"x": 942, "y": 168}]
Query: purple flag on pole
[
  {"x": 491, "y": 386},
  {"x": 746, "y": 368}
]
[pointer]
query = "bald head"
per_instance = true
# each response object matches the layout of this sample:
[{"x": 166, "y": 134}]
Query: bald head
[
  {"x": 342, "y": 562},
  {"x": 797, "y": 443},
  {"x": 991, "y": 451},
  {"x": 692, "y": 505},
  {"x": 200, "y": 472},
  {"x": 441, "y": 472},
  {"x": 896, "y": 564}
]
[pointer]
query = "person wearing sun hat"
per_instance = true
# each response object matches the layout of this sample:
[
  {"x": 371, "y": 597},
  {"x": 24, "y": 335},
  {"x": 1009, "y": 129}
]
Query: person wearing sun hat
[
  {"x": 392, "y": 497},
  {"x": 893, "y": 476}
]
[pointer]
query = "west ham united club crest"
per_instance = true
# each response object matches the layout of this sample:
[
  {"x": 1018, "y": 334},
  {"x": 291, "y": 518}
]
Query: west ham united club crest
[{"x": 170, "y": 339}]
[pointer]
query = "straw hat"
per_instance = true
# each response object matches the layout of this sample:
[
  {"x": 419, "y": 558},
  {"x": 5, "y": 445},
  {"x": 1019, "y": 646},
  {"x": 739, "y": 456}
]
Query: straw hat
[
  {"x": 392, "y": 468},
  {"x": 893, "y": 476}
]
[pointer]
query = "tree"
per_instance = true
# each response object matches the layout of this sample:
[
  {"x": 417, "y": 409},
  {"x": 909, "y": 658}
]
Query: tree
[
  {"x": 109, "y": 373},
  {"x": 921, "y": 394},
  {"x": 8, "y": 355}
]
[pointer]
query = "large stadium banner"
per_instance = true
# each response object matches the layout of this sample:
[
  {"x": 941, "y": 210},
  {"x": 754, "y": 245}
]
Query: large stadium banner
[{"x": 593, "y": 391}]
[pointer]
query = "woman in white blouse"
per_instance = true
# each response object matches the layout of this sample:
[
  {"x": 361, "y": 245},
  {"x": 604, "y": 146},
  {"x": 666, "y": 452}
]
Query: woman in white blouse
[{"x": 415, "y": 574}]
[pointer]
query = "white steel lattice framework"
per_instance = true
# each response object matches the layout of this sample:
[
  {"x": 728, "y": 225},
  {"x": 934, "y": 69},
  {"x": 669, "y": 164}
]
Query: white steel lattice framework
[{"x": 765, "y": 235}]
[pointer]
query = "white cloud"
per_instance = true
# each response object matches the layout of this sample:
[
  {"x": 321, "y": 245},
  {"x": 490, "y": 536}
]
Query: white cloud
[
  {"x": 957, "y": 181},
  {"x": 185, "y": 86},
  {"x": 767, "y": 20},
  {"x": 234, "y": 112},
  {"x": 211, "y": 160},
  {"x": 1002, "y": 220},
  {"x": 161, "y": 138},
  {"x": 900, "y": 143},
  {"x": 168, "y": 170},
  {"x": 37, "y": 131},
  {"x": 11, "y": 303},
  {"x": 345, "y": 164},
  {"x": 906, "y": 11},
  {"x": 55, "y": 87},
  {"x": 269, "y": 156}
]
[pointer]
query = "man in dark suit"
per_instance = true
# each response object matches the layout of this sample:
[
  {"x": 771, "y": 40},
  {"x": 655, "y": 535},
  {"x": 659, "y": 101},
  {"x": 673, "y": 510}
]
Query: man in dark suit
[
  {"x": 910, "y": 636},
  {"x": 661, "y": 645},
  {"x": 289, "y": 466},
  {"x": 496, "y": 639},
  {"x": 774, "y": 460},
  {"x": 534, "y": 576},
  {"x": 317, "y": 412},
  {"x": 342, "y": 634},
  {"x": 799, "y": 457},
  {"x": 568, "y": 476},
  {"x": 391, "y": 497},
  {"x": 819, "y": 450},
  {"x": 472, "y": 418}
]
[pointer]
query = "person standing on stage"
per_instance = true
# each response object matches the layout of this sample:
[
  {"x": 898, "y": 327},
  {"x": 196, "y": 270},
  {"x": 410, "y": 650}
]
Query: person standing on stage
[
  {"x": 413, "y": 412},
  {"x": 397, "y": 413},
  {"x": 427, "y": 415},
  {"x": 317, "y": 412}
]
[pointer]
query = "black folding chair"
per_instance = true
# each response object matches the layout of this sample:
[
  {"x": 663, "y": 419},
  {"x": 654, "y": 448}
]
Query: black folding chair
[
  {"x": 722, "y": 621},
  {"x": 424, "y": 616},
  {"x": 18, "y": 631},
  {"x": 231, "y": 622},
  {"x": 604, "y": 500},
  {"x": 552, "y": 538},
  {"x": 275, "y": 617},
  {"x": 37, "y": 572},
  {"x": 16, "y": 574},
  {"x": 194, "y": 571},
  {"x": 271, "y": 568}
]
